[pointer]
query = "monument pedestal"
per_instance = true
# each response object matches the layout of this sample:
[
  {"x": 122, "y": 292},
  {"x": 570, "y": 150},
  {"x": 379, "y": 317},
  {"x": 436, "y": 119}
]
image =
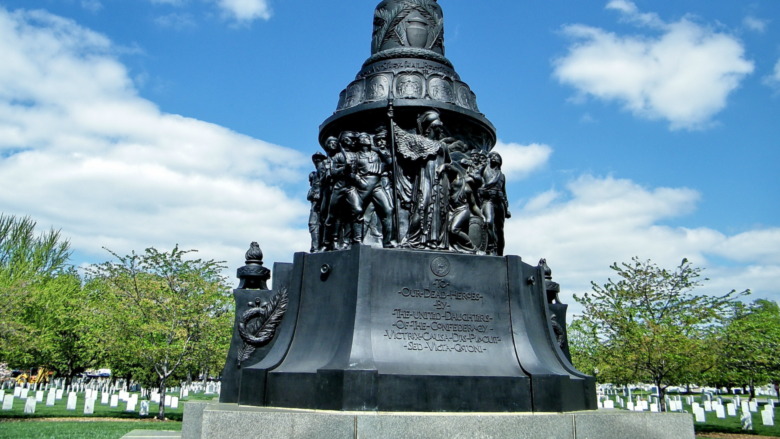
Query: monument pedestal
[
  {"x": 398, "y": 330},
  {"x": 228, "y": 421}
]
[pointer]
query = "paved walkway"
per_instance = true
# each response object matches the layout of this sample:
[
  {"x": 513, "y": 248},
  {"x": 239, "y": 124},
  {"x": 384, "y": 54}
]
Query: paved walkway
[{"x": 152, "y": 434}]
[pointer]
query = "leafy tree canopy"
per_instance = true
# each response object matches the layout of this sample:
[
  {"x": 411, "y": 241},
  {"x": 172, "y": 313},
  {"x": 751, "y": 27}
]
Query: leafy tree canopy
[{"x": 647, "y": 325}]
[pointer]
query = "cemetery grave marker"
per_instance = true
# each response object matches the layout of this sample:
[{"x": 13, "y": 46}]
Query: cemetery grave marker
[
  {"x": 51, "y": 398},
  {"x": 29, "y": 406},
  {"x": 8, "y": 402},
  {"x": 89, "y": 406},
  {"x": 699, "y": 414}
]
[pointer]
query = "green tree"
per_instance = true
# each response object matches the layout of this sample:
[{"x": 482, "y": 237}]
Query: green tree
[
  {"x": 648, "y": 326},
  {"x": 749, "y": 346},
  {"x": 56, "y": 315},
  {"x": 30, "y": 267},
  {"x": 160, "y": 311}
]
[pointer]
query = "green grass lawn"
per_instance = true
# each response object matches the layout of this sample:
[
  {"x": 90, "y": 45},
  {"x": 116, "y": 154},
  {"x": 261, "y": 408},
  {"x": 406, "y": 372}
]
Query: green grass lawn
[
  {"x": 104, "y": 411},
  {"x": 18, "y": 425},
  {"x": 10, "y": 429}
]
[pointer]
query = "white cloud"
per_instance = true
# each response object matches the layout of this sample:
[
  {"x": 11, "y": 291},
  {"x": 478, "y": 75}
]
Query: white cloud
[
  {"x": 755, "y": 24},
  {"x": 244, "y": 11},
  {"x": 631, "y": 13},
  {"x": 519, "y": 161},
  {"x": 238, "y": 11},
  {"x": 80, "y": 150},
  {"x": 684, "y": 75},
  {"x": 92, "y": 5},
  {"x": 775, "y": 77},
  {"x": 597, "y": 221}
]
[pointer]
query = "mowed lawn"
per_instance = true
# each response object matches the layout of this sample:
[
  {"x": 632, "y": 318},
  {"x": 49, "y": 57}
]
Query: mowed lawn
[
  {"x": 92, "y": 429},
  {"x": 58, "y": 423}
]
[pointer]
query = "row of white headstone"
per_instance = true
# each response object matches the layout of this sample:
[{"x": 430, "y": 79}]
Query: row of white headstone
[
  {"x": 106, "y": 398},
  {"x": 699, "y": 410}
]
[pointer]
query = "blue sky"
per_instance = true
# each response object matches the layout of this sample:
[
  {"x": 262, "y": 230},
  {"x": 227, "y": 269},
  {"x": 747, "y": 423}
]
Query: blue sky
[{"x": 628, "y": 128}]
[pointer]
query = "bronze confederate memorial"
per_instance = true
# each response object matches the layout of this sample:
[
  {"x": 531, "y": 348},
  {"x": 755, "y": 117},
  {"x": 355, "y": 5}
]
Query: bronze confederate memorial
[{"x": 405, "y": 300}]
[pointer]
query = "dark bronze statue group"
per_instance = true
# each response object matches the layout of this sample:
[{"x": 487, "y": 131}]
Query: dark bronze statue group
[{"x": 416, "y": 189}]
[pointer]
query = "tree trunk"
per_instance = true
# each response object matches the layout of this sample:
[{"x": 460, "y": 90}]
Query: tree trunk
[
  {"x": 777, "y": 388},
  {"x": 161, "y": 390},
  {"x": 752, "y": 391},
  {"x": 661, "y": 397}
]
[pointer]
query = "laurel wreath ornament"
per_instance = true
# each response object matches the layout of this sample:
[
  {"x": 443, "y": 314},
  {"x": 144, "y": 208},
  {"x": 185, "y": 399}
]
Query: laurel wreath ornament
[{"x": 259, "y": 323}]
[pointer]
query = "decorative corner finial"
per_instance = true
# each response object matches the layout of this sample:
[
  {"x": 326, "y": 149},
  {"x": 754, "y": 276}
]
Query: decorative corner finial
[{"x": 253, "y": 276}]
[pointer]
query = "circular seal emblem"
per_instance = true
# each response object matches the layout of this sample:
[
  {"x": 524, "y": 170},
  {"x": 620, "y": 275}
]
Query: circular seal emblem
[{"x": 440, "y": 266}]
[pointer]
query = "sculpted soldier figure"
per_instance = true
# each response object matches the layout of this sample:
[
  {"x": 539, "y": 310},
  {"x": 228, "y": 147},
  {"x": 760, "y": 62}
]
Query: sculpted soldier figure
[
  {"x": 369, "y": 165},
  {"x": 420, "y": 183},
  {"x": 495, "y": 206},
  {"x": 462, "y": 205},
  {"x": 315, "y": 198},
  {"x": 345, "y": 207}
]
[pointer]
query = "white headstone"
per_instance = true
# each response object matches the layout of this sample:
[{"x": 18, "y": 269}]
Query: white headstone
[
  {"x": 744, "y": 407},
  {"x": 654, "y": 408},
  {"x": 72, "y": 398},
  {"x": 17, "y": 391},
  {"x": 51, "y": 398},
  {"x": 131, "y": 405},
  {"x": 89, "y": 406},
  {"x": 24, "y": 393},
  {"x": 747, "y": 420},
  {"x": 39, "y": 394},
  {"x": 59, "y": 394},
  {"x": 8, "y": 402},
  {"x": 29, "y": 406},
  {"x": 123, "y": 395},
  {"x": 767, "y": 418},
  {"x": 731, "y": 409},
  {"x": 600, "y": 404},
  {"x": 2, "y": 395},
  {"x": 104, "y": 398},
  {"x": 175, "y": 402},
  {"x": 608, "y": 404},
  {"x": 144, "y": 408},
  {"x": 630, "y": 406},
  {"x": 114, "y": 401},
  {"x": 707, "y": 406},
  {"x": 698, "y": 412},
  {"x": 720, "y": 412},
  {"x": 753, "y": 406},
  {"x": 155, "y": 397},
  {"x": 167, "y": 400}
]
